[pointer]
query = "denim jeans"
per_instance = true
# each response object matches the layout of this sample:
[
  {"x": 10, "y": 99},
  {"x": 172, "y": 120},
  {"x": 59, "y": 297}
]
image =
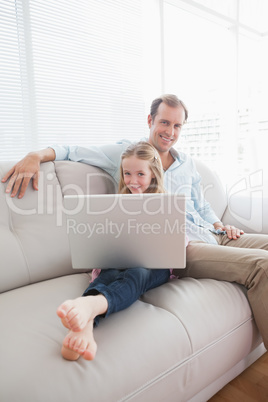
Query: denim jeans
[{"x": 123, "y": 287}]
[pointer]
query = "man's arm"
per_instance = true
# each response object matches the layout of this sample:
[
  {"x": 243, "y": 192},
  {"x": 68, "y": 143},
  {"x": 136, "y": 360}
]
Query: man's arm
[
  {"x": 25, "y": 170},
  {"x": 106, "y": 157}
]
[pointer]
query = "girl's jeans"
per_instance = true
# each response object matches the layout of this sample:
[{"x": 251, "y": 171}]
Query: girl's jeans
[{"x": 122, "y": 288}]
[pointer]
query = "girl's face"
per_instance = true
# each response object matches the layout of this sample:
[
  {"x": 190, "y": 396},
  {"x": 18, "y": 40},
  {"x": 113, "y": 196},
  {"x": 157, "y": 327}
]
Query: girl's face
[{"x": 137, "y": 174}]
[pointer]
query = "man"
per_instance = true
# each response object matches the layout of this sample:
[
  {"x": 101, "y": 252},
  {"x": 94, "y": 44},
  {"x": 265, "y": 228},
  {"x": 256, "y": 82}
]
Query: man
[{"x": 215, "y": 250}]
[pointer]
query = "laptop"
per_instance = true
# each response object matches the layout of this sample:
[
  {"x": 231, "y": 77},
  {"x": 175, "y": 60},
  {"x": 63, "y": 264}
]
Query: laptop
[{"x": 126, "y": 230}]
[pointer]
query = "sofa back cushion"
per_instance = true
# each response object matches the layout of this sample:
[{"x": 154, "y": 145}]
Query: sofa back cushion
[
  {"x": 33, "y": 238},
  {"x": 213, "y": 189}
]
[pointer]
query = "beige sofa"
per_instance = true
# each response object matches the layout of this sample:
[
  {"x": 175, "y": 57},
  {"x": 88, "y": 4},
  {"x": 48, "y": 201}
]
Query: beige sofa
[{"x": 181, "y": 342}]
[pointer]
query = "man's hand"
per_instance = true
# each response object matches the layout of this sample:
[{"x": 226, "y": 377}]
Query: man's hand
[
  {"x": 25, "y": 170},
  {"x": 20, "y": 175},
  {"x": 231, "y": 231}
]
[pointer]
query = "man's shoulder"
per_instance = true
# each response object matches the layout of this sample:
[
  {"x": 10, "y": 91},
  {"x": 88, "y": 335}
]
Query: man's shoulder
[
  {"x": 124, "y": 142},
  {"x": 182, "y": 157},
  {"x": 118, "y": 145}
]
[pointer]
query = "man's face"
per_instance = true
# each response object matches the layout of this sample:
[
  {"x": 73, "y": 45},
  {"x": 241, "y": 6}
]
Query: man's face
[{"x": 166, "y": 127}]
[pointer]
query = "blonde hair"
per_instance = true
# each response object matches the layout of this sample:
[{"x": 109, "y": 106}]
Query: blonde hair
[{"x": 145, "y": 151}]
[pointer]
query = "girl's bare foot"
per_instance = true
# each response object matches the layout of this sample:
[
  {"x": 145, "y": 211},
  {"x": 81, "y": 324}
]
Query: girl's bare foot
[
  {"x": 76, "y": 313},
  {"x": 81, "y": 343}
]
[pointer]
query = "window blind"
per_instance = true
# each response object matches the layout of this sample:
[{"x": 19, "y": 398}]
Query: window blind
[
  {"x": 73, "y": 73},
  {"x": 13, "y": 91}
]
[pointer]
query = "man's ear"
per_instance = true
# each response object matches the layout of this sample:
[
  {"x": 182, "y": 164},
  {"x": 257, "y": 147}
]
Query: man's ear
[{"x": 149, "y": 121}]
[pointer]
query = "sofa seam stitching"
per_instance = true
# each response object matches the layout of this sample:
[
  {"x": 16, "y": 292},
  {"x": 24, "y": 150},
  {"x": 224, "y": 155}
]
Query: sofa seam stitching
[
  {"x": 12, "y": 230},
  {"x": 162, "y": 375}
]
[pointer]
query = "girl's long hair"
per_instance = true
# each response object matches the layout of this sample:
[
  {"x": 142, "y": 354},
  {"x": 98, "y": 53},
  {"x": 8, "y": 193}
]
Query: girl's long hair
[{"x": 145, "y": 151}]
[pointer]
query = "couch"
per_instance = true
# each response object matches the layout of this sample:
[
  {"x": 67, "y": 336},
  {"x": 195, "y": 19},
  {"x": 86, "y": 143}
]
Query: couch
[{"x": 180, "y": 342}]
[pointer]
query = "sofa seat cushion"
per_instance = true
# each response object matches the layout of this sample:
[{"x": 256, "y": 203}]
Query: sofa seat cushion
[
  {"x": 127, "y": 342},
  {"x": 216, "y": 317},
  {"x": 153, "y": 350}
]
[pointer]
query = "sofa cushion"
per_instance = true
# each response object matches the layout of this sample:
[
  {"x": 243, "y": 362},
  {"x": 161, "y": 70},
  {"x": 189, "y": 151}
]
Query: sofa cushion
[
  {"x": 164, "y": 343},
  {"x": 212, "y": 187},
  {"x": 34, "y": 243}
]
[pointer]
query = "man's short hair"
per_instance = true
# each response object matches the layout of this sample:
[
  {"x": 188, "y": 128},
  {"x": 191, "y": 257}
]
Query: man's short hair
[{"x": 170, "y": 100}]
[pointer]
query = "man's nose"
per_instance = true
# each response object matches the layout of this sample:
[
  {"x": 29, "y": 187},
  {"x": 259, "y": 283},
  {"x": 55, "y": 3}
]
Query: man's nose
[{"x": 170, "y": 131}]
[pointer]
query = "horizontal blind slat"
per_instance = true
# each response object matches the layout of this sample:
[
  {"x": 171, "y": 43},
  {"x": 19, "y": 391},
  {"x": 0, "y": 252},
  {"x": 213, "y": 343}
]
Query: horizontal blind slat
[{"x": 73, "y": 74}]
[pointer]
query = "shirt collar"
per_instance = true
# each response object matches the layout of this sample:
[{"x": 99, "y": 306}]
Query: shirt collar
[
  {"x": 179, "y": 156},
  {"x": 176, "y": 155}
]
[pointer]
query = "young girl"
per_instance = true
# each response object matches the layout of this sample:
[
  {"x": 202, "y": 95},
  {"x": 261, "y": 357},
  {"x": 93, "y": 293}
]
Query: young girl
[{"x": 112, "y": 290}]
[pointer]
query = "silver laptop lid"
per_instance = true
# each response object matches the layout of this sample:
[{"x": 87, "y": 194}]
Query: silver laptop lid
[{"x": 126, "y": 230}]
